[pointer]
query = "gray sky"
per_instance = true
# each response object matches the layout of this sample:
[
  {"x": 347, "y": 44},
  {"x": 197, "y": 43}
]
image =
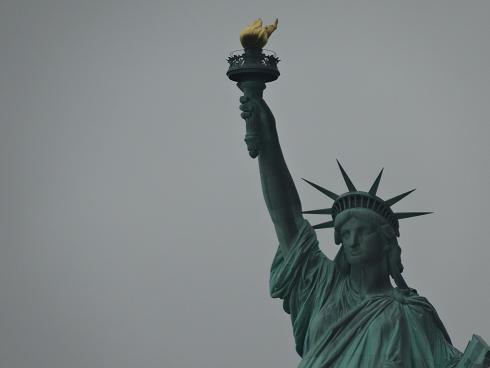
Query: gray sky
[{"x": 133, "y": 232}]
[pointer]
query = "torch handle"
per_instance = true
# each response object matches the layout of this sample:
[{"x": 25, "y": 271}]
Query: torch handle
[{"x": 252, "y": 89}]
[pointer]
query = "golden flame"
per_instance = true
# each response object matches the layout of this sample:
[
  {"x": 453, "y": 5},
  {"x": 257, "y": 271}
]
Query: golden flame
[{"x": 255, "y": 35}]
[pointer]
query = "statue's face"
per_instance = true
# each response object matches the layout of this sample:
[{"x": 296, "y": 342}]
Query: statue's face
[{"x": 361, "y": 241}]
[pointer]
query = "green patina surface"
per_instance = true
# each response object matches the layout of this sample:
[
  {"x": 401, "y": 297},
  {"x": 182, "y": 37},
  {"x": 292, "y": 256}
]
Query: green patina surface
[
  {"x": 355, "y": 310},
  {"x": 334, "y": 325}
]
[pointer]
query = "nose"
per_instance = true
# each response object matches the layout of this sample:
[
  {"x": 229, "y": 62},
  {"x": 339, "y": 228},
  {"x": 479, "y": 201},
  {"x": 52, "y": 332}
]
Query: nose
[
  {"x": 356, "y": 238},
  {"x": 353, "y": 240},
  {"x": 353, "y": 243}
]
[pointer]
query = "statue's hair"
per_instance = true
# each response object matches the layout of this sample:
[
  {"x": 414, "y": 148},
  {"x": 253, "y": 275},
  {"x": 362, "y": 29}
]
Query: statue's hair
[{"x": 387, "y": 234}]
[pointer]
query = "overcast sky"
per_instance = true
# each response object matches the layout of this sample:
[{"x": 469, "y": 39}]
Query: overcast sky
[{"x": 133, "y": 232}]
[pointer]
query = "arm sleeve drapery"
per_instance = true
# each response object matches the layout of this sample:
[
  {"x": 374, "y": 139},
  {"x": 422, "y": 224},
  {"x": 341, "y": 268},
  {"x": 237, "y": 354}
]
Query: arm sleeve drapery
[{"x": 300, "y": 278}]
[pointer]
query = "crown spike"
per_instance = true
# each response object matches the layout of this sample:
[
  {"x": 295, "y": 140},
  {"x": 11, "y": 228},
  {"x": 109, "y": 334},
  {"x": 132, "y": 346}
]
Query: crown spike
[
  {"x": 328, "y": 193},
  {"x": 324, "y": 225},
  {"x": 404, "y": 215},
  {"x": 347, "y": 180},
  {"x": 390, "y": 202},
  {"x": 323, "y": 211},
  {"x": 374, "y": 187}
]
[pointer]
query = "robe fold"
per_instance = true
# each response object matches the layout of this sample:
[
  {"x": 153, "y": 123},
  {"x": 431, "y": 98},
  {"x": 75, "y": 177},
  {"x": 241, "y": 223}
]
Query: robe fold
[{"x": 335, "y": 327}]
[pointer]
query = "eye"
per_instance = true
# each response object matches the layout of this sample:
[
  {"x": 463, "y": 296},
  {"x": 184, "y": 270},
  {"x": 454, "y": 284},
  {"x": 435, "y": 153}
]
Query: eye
[
  {"x": 371, "y": 232},
  {"x": 345, "y": 233},
  {"x": 372, "y": 229}
]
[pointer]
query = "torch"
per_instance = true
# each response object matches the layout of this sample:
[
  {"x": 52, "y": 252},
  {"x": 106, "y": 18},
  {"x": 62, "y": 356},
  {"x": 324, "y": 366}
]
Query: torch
[{"x": 253, "y": 67}]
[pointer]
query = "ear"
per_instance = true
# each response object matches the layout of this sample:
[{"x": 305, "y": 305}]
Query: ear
[{"x": 388, "y": 246}]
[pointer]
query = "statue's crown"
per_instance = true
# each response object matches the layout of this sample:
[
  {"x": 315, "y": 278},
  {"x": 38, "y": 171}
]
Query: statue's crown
[{"x": 358, "y": 199}]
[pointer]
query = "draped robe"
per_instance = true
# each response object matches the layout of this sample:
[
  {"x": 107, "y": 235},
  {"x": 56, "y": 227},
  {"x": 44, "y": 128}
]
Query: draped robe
[{"x": 334, "y": 327}]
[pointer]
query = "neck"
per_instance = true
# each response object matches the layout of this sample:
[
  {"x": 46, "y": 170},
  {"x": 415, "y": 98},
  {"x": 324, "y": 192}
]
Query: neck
[{"x": 368, "y": 279}]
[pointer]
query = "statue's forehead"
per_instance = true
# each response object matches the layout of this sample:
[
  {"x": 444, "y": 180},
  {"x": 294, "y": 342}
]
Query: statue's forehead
[
  {"x": 358, "y": 219},
  {"x": 353, "y": 222}
]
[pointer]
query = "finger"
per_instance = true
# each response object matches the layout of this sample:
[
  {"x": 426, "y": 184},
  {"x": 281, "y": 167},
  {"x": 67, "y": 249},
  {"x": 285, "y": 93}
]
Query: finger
[
  {"x": 246, "y": 107},
  {"x": 243, "y": 99},
  {"x": 245, "y": 114}
]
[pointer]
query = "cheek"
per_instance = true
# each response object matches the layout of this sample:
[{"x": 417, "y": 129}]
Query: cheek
[{"x": 373, "y": 245}]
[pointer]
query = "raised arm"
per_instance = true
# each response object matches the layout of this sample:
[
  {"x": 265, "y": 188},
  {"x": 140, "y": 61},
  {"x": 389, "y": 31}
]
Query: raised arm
[{"x": 280, "y": 194}]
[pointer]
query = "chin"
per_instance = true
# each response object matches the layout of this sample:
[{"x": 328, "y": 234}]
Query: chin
[{"x": 355, "y": 260}]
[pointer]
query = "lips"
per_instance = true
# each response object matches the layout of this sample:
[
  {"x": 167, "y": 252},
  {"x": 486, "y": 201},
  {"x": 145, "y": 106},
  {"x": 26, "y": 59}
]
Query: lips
[{"x": 355, "y": 253}]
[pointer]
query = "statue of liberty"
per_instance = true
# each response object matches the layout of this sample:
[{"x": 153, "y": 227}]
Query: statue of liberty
[{"x": 355, "y": 310}]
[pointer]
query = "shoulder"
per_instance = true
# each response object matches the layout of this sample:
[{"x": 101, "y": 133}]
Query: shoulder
[
  {"x": 413, "y": 301},
  {"x": 418, "y": 309}
]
